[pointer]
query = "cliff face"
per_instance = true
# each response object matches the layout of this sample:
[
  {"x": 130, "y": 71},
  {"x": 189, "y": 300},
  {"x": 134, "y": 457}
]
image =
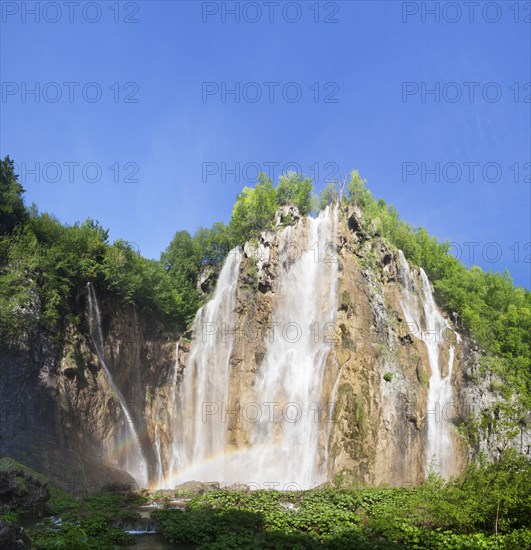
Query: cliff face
[
  {"x": 60, "y": 414},
  {"x": 380, "y": 432},
  {"x": 319, "y": 319}
]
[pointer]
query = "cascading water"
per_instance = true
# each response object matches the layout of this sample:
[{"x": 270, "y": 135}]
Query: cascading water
[
  {"x": 206, "y": 376},
  {"x": 158, "y": 451},
  {"x": 288, "y": 440},
  {"x": 439, "y": 450},
  {"x": 174, "y": 420},
  {"x": 288, "y": 443},
  {"x": 133, "y": 460}
]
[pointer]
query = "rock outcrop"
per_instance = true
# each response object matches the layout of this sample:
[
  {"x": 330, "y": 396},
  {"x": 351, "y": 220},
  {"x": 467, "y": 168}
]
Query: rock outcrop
[
  {"x": 12, "y": 537},
  {"x": 22, "y": 488}
]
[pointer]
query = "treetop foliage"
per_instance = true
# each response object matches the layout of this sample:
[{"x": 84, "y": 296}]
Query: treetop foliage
[{"x": 12, "y": 209}]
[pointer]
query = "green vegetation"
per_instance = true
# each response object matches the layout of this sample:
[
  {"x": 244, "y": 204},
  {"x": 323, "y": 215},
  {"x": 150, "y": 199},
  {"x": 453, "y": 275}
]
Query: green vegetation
[
  {"x": 22, "y": 490},
  {"x": 489, "y": 506},
  {"x": 89, "y": 523},
  {"x": 44, "y": 265},
  {"x": 328, "y": 196},
  {"x": 296, "y": 189},
  {"x": 12, "y": 210},
  {"x": 254, "y": 210}
]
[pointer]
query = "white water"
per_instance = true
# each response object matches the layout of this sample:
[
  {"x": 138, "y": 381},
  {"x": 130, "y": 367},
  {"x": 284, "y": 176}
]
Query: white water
[
  {"x": 205, "y": 380},
  {"x": 175, "y": 417},
  {"x": 427, "y": 323},
  {"x": 287, "y": 439},
  {"x": 158, "y": 451},
  {"x": 133, "y": 460}
]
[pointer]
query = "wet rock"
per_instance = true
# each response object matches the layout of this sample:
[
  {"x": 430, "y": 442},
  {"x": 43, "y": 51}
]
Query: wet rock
[
  {"x": 62, "y": 417},
  {"x": 12, "y": 537},
  {"x": 117, "y": 488},
  {"x": 287, "y": 215},
  {"x": 406, "y": 340},
  {"x": 197, "y": 487},
  {"x": 70, "y": 373},
  {"x": 206, "y": 281}
]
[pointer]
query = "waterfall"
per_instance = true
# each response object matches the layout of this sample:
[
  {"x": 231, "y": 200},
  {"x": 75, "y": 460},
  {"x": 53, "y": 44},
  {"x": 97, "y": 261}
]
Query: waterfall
[
  {"x": 418, "y": 307},
  {"x": 206, "y": 377},
  {"x": 175, "y": 421},
  {"x": 133, "y": 460},
  {"x": 158, "y": 452},
  {"x": 287, "y": 443},
  {"x": 289, "y": 440}
]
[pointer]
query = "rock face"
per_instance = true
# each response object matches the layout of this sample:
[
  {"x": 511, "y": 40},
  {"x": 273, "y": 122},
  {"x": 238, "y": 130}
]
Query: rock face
[
  {"x": 61, "y": 416},
  {"x": 13, "y": 537},
  {"x": 379, "y": 433},
  {"x": 379, "y": 417},
  {"x": 59, "y": 413}
]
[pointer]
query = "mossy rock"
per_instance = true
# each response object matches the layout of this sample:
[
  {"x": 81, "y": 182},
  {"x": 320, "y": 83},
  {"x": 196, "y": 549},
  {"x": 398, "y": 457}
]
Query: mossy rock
[{"x": 21, "y": 487}]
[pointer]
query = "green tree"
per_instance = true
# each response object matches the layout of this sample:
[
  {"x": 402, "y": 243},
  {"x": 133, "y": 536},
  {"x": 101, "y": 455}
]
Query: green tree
[
  {"x": 182, "y": 256},
  {"x": 254, "y": 210},
  {"x": 12, "y": 209},
  {"x": 357, "y": 192},
  {"x": 328, "y": 196},
  {"x": 212, "y": 245},
  {"x": 295, "y": 189}
]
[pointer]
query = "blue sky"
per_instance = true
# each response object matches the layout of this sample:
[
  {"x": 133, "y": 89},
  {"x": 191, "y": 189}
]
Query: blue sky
[{"x": 362, "y": 71}]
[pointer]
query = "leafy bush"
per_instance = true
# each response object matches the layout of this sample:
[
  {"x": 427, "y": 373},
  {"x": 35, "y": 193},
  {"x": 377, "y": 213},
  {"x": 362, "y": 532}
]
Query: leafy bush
[
  {"x": 88, "y": 523},
  {"x": 487, "y": 507}
]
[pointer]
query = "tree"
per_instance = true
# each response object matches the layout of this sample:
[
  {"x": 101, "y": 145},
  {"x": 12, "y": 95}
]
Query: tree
[
  {"x": 181, "y": 256},
  {"x": 357, "y": 191},
  {"x": 12, "y": 209},
  {"x": 254, "y": 210},
  {"x": 212, "y": 245},
  {"x": 328, "y": 196},
  {"x": 295, "y": 189}
]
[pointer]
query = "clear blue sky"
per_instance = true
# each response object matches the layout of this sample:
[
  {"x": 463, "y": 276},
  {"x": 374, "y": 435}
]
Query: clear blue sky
[{"x": 376, "y": 61}]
